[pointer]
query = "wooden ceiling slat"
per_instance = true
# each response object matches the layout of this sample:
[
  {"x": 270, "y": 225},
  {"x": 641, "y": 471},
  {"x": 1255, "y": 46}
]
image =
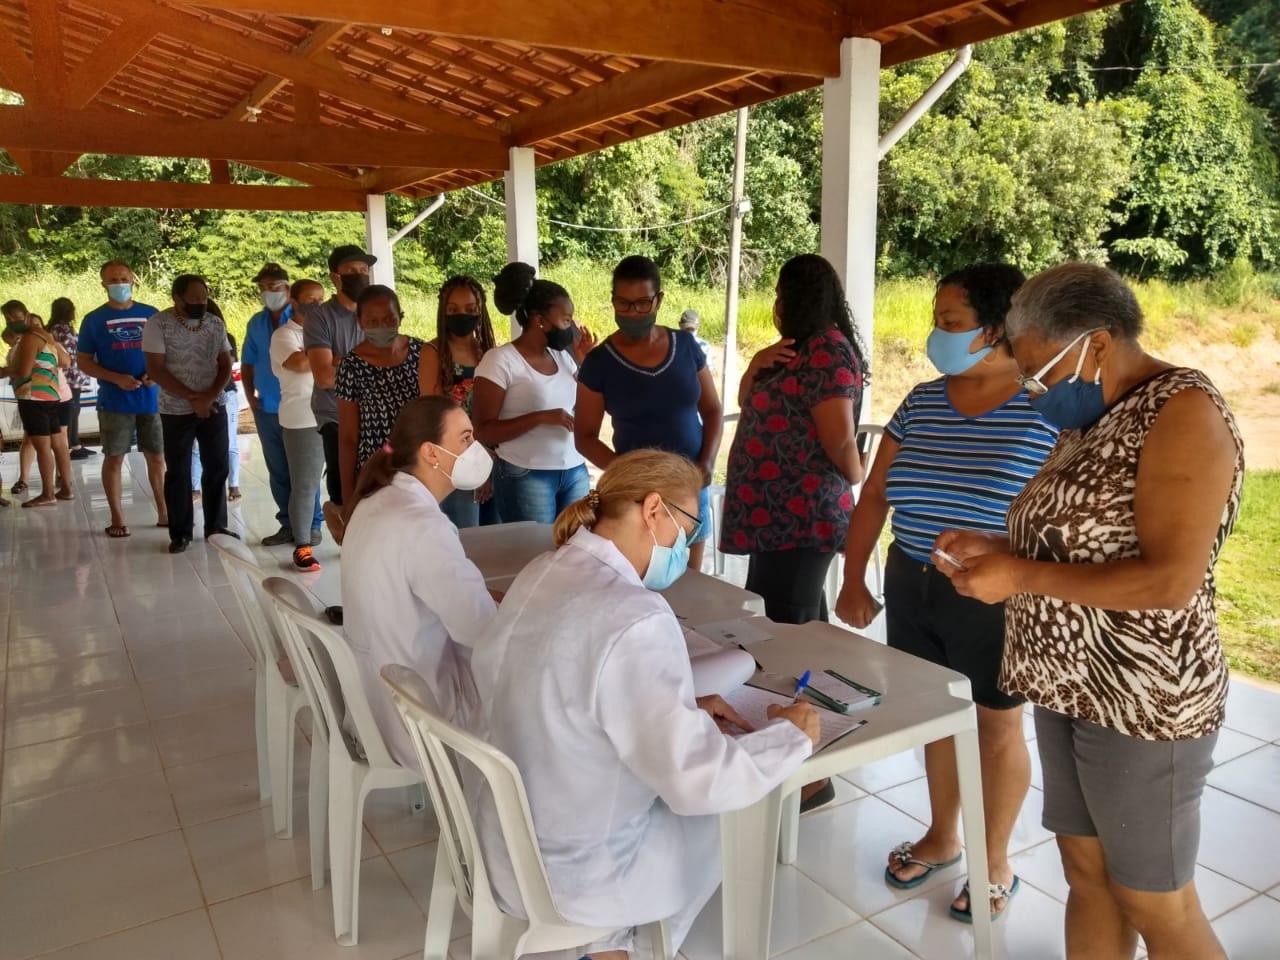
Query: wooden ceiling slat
[{"x": 77, "y": 192}]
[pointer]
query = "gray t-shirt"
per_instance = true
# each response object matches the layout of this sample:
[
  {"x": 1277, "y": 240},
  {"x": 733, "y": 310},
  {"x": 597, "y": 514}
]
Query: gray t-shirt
[
  {"x": 330, "y": 326},
  {"x": 190, "y": 351}
]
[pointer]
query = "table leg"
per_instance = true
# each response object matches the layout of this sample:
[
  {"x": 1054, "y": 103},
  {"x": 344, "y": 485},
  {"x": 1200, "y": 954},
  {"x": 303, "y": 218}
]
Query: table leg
[
  {"x": 969, "y": 769},
  {"x": 748, "y": 853},
  {"x": 789, "y": 840}
]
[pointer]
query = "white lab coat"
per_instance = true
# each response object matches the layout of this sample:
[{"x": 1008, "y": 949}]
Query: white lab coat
[
  {"x": 585, "y": 683},
  {"x": 410, "y": 595}
]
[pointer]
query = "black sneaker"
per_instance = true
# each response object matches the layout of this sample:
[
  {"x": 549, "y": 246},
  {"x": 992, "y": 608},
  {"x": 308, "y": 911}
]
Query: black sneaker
[
  {"x": 278, "y": 539},
  {"x": 180, "y": 545},
  {"x": 81, "y": 453},
  {"x": 224, "y": 531}
]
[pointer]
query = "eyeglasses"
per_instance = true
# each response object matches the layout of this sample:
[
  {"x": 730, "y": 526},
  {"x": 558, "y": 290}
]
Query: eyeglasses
[
  {"x": 697, "y": 521},
  {"x": 642, "y": 306},
  {"x": 1035, "y": 386}
]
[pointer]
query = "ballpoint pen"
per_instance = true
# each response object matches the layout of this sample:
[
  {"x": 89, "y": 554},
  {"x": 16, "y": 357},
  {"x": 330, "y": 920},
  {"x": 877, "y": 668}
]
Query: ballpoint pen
[{"x": 800, "y": 685}]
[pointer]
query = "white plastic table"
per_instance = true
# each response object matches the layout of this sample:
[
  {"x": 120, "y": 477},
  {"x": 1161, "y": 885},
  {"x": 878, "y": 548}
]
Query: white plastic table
[
  {"x": 922, "y": 703},
  {"x": 503, "y": 550}
]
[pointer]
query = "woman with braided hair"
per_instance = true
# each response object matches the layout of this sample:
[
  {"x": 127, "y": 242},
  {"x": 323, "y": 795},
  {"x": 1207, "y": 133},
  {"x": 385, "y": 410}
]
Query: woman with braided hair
[{"x": 464, "y": 334}]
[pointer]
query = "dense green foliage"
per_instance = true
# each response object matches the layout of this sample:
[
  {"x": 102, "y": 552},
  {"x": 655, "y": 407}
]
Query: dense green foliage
[{"x": 1125, "y": 136}]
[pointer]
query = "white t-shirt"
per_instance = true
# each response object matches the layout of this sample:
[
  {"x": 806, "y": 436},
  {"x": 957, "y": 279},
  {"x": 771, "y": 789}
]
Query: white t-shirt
[
  {"x": 544, "y": 447},
  {"x": 295, "y": 388}
]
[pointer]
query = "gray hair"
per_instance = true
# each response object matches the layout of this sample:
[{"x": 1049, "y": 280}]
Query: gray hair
[{"x": 1064, "y": 302}]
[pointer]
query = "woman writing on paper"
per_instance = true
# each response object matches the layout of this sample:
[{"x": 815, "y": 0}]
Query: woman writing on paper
[
  {"x": 625, "y": 771},
  {"x": 415, "y": 598}
]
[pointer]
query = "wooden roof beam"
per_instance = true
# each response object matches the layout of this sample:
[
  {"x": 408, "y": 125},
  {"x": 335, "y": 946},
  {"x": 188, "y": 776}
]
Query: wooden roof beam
[
  {"x": 624, "y": 94},
  {"x": 999, "y": 16},
  {"x": 16, "y": 72},
  {"x": 321, "y": 73},
  {"x": 126, "y": 134},
  {"x": 392, "y": 179},
  {"x": 76, "y": 192},
  {"x": 111, "y": 56},
  {"x": 715, "y": 32},
  {"x": 266, "y": 88},
  {"x": 305, "y": 173},
  {"x": 48, "y": 58}
]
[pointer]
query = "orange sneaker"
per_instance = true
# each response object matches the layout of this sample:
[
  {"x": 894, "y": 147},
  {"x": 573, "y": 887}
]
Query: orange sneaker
[{"x": 305, "y": 560}]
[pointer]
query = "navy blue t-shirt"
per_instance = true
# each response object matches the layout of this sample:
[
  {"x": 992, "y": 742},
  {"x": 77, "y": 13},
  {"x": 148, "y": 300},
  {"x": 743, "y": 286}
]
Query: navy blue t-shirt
[
  {"x": 651, "y": 407},
  {"x": 114, "y": 339}
]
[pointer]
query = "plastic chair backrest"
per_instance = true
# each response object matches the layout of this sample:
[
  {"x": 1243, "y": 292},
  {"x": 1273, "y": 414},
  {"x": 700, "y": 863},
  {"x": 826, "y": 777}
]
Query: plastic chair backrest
[
  {"x": 332, "y": 668},
  {"x": 436, "y": 740},
  {"x": 246, "y": 579}
]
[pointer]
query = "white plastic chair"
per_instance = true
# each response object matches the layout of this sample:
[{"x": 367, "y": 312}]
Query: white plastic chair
[
  {"x": 460, "y": 874},
  {"x": 278, "y": 697},
  {"x": 359, "y": 762}
]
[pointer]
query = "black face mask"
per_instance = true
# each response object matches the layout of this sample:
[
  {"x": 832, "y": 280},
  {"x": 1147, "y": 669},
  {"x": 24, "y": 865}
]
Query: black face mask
[
  {"x": 461, "y": 324},
  {"x": 194, "y": 311},
  {"x": 636, "y": 328},
  {"x": 560, "y": 338},
  {"x": 354, "y": 284}
]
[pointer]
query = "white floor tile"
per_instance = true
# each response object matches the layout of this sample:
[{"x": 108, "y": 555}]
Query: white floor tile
[
  {"x": 79, "y": 675},
  {"x": 196, "y": 692},
  {"x": 845, "y": 851},
  {"x": 73, "y": 716},
  {"x": 1252, "y": 931},
  {"x": 1232, "y": 744},
  {"x": 889, "y": 772},
  {"x": 62, "y": 764},
  {"x": 1218, "y": 894},
  {"x": 189, "y": 935},
  {"x": 1032, "y": 927},
  {"x": 802, "y": 911},
  {"x": 76, "y": 821},
  {"x": 415, "y": 867},
  {"x": 1239, "y": 839},
  {"x": 913, "y": 799},
  {"x": 112, "y": 889},
  {"x": 93, "y": 641},
  {"x": 1041, "y": 866},
  {"x": 191, "y": 737},
  {"x": 863, "y": 941},
  {"x": 196, "y": 604},
  {"x": 1254, "y": 776},
  {"x": 167, "y": 632},
  {"x": 1253, "y": 709},
  {"x": 65, "y": 619},
  {"x": 394, "y": 825},
  {"x": 181, "y": 658},
  {"x": 224, "y": 786},
  {"x": 293, "y": 922}
]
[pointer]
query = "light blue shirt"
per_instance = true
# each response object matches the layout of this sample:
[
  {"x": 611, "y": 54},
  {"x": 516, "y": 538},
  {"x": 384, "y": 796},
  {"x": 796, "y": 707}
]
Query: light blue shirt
[{"x": 257, "y": 354}]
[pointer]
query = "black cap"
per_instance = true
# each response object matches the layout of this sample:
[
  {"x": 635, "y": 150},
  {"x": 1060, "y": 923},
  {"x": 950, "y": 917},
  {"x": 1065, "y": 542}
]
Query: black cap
[
  {"x": 346, "y": 254},
  {"x": 271, "y": 271}
]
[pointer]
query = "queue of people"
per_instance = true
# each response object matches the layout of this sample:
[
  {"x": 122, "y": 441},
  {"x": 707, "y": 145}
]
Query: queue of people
[{"x": 1050, "y": 543}]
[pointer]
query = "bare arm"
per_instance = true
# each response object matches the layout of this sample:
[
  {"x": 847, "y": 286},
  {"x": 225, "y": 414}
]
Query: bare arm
[
  {"x": 429, "y": 371},
  {"x": 870, "y": 512},
  {"x": 158, "y": 372},
  {"x": 297, "y": 362},
  {"x": 90, "y": 366},
  {"x": 220, "y": 378},
  {"x": 588, "y": 415},
  {"x": 1184, "y": 479},
  {"x": 486, "y": 406},
  {"x": 838, "y": 435},
  {"x": 779, "y": 352},
  {"x": 246, "y": 377},
  {"x": 24, "y": 359},
  {"x": 323, "y": 367},
  {"x": 712, "y": 413},
  {"x": 348, "y": 440}
]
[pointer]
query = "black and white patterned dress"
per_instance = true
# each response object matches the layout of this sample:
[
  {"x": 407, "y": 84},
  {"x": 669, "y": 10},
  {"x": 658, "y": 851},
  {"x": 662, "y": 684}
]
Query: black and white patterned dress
[
  {"x": 1151, "y": 674},
  {"x": 379, "y": 392}
]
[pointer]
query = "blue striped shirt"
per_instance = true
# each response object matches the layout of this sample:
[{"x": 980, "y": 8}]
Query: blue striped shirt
[{"x": 957, "y": 472}]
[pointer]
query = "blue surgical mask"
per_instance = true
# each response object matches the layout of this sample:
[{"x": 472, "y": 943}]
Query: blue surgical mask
[
  {"x": 949, "y": 352},
  {"x": 1071, "y": 403},
  {"x": 120, "y": 292},
  {"x": 667, "y": 564}
]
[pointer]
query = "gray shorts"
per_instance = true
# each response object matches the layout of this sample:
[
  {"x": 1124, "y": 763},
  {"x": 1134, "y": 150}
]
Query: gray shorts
[
  {"x": 1140, "y": 798},
  {"x": 115, "y": 431}
]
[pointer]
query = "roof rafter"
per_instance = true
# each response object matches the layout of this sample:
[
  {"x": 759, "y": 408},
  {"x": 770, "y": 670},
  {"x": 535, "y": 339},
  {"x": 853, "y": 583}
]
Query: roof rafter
[
  {"x": 80, "y": 192},
  {"x": 266, "y": 88}
]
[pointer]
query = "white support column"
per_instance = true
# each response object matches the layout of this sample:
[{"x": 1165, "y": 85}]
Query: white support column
[
  {"x": 850, "y": 162},
  {"x": 522, "y": 207},
  {"x": 377, "y": 241}
]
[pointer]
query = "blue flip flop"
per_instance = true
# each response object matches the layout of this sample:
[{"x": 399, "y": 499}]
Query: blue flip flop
[
  {"x": 902, "y": 854},
  {"x": 995, "y": 891}
]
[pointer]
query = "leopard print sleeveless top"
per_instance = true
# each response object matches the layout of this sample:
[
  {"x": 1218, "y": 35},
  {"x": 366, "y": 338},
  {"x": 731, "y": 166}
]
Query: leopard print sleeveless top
[{"x": 1152, "y": 674}]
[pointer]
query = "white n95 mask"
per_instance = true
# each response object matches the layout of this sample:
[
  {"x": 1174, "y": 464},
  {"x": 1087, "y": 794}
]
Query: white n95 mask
[{"x": 471, "y": 468}]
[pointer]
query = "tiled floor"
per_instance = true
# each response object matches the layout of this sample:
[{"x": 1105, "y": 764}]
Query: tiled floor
[{"x": 130, "y": 824}]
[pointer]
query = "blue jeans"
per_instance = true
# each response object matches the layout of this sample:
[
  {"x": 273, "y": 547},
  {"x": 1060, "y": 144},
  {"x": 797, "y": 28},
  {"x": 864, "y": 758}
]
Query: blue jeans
[
  {"x": 537, "y": 495},
  {"x": 461, "y": 507},
  {"x": 271, "y": 437}
]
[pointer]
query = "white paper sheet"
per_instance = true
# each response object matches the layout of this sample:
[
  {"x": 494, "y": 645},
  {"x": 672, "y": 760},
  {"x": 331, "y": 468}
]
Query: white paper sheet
[
  {"x": 753, "y": 704},
  {"x": 721, "y": 671}
]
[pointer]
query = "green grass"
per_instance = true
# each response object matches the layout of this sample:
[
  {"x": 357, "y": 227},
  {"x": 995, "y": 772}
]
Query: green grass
[{"x": 1248, "y": 576}]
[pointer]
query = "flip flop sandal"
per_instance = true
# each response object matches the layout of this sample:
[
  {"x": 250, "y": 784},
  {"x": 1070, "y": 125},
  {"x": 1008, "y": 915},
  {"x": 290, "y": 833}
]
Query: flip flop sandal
[
  {"x": 65, "y": 496},
  {"x": 995, "y": 891},
  {"x": 117, "y": 533},
  {"x": 820, "y": 798},
  {"x": 902, "y": 855},
  {"x": 18, "y": 488}
]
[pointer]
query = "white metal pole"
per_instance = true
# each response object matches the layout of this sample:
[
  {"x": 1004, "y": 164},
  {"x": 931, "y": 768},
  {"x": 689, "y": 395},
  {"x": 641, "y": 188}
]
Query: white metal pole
[
  {"x": 927, "y": 99},
  {"x": 728, "y": 370},
  {"x": 850, "y": 161},
  {"x": 421, "y": 215},
  {"x": 377, "y": 242}
]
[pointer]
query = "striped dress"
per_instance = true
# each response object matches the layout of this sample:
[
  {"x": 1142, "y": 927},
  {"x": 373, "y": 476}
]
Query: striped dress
[
  {"x": 45, "y": 382},
  {"x": 958, "y": 472}
]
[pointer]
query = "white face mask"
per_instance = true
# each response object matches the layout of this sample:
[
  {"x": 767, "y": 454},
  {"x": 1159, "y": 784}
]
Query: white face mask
[
  {"x": 274, "y": 300},
  {"x": 471, "y": 468}
]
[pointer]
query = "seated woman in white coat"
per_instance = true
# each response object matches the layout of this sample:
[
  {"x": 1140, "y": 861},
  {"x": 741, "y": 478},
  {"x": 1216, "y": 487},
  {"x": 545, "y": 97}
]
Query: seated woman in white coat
[
  {"x": 585, "y": 680},
  {"x": 409, "y": 594}
]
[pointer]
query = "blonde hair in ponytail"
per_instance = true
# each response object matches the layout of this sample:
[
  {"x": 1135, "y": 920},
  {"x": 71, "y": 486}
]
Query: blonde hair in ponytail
[{"x": 629, "y": 479}]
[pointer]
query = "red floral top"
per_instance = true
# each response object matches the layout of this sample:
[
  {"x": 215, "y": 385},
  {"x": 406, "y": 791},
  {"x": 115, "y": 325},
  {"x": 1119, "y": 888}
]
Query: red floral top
[{"x": 783, "y": 492}]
